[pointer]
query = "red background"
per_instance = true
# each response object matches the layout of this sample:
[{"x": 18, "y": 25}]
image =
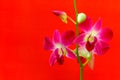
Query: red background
[{"x": 25, "y": 23}]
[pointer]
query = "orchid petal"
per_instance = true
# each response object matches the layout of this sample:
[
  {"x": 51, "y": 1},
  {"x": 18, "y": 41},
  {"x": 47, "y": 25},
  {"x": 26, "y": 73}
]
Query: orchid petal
[
  {"x": 80, "y": 39},
  {"x": 106, "y": 34},
  {"x": 91, "y": 62},
  {"x": 56, "y": 37},
  {"x": 48, "y": 45},
  {"x": 86, "y": 25},
  {"x": 68, "y": 37},
  {"x": 53, "y": 57},
  {"x": 97, "y": 26},
  {"x": 84, "y": 52},
  {"x": 101, "y": 47},
  {"x": 62, "y": 15},
  {"x": 70, "y": 54}
]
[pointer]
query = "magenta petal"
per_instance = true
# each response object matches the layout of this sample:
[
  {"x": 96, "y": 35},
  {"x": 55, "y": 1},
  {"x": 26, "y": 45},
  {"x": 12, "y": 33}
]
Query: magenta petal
[
  {"x": 70, "y": 54},
  {"x": 86, "y": 25},
  {"x": 68, "y": 37},
  {"x": 97, "y": 26},
  {"x": 59, "y": 13},
  {"x": 101, "y": 47},
  {"x": 57, "y": 36},
  {"x": 48, "y": 45},
  {"x": 53, "y": 57},
  {"x": 80, "y": 39},
  {"x": 106, "y": 34}
]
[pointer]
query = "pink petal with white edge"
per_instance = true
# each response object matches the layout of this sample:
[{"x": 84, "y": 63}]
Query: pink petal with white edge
[
  {"x": 80, "y": 39},
  {"x": 48, "y": 45},
  {"x": 86, "y": 25},
  {"x": 97, "y": 26},
  {"x": 101, "y": 47},
  {"x": 106, "y": 34},
  {"x": 53, "y": 57},
  {"x": 68, "y": 37},
  {"x": 56, "y": 36},
  {"x": 70, "y": 54}
]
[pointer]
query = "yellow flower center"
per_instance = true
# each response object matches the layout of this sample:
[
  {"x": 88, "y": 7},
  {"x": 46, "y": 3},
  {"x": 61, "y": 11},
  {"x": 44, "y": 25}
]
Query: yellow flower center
[
  {"x": 90, "y": 36},
  {"x": 61, "y": 49}
]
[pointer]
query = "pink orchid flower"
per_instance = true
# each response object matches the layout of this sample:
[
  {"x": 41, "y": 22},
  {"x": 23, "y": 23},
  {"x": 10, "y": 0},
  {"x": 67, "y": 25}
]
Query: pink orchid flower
[
  {"x": 87, "y": 56},
  {"x": 94, "y": 37},
  {"x": 59, "y": 46}
]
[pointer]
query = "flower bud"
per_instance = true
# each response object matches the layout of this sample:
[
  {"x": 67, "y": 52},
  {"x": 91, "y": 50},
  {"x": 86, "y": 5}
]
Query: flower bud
[
  {"x": 81, "y": 17},
  {"x": 62, "y": 15}
]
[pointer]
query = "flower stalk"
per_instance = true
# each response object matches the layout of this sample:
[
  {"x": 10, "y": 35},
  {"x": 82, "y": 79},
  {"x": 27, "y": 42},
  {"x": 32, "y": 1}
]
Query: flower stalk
[
  {"x": 77, "y": 33},
  {"x": 71, "y": 19}
]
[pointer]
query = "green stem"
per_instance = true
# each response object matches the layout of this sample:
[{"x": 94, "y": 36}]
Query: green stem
[
  {"x": 81, "y": 73},
  {"x": 77, "y": 33},
  {"x": 71, "y": 19}
]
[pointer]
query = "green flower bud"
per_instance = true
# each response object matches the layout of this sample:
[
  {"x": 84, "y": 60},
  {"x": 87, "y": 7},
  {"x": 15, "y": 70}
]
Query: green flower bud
[{"x": 81, "y": 17}]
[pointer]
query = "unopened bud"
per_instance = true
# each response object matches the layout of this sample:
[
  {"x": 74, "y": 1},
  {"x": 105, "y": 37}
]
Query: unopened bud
[
  {"x": 62, "y": 15},
  {"x": 81, "y": 17}
]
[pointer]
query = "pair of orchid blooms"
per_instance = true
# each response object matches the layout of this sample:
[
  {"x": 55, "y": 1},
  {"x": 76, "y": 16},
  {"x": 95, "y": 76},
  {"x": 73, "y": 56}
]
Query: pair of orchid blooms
[{"x": 92, "y": 40}]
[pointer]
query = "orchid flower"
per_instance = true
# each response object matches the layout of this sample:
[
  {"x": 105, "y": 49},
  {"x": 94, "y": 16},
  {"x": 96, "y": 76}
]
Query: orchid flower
[
  {"x": 86, "y": 57},
  {"x": 59, "y": 46},
  {"x": 94, "y": 37},
  {"x": 91, "y": 40}
]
